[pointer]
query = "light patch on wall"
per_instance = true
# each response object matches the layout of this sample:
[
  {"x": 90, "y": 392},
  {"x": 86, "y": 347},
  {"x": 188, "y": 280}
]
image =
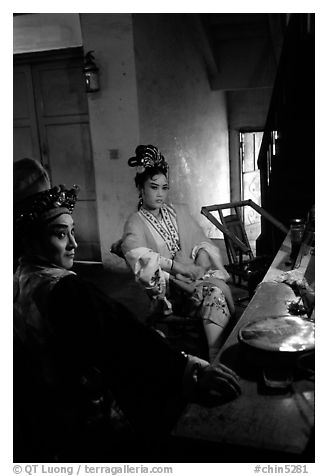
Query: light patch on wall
[
  {"x": 181, "y": 175},
  {"x": 184, "y": 166},
  {"x": 46, "y": 31},
  {"x": 184, "y": 159},
  {"x": 200, "y": 178}
]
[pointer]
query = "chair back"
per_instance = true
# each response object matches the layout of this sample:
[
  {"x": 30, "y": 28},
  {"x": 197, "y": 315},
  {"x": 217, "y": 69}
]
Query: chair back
[
  {"x": 251, "y": 269},
  {"x": 233, "y": 222}
]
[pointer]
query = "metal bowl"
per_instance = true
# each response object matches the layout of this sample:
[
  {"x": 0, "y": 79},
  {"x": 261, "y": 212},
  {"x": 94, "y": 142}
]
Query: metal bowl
[{"x": 279, "y": 334}]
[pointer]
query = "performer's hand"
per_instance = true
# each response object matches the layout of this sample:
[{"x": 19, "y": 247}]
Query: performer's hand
[
  {"x": 189, "y": 271},
  {"x": 180, "y": 277},
  {"x": 194, "y": 272},
  {"x": 217, "y": 384},
  {"x": 185, "y": 284}
]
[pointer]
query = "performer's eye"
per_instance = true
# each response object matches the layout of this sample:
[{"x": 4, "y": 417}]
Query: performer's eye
[{"x": 60, "y": 235}]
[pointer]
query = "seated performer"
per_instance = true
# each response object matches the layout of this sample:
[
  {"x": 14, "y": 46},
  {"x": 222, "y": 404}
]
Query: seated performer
[
  {"x": 170, "y": 254},
  {"x": 80, "y": 359}
]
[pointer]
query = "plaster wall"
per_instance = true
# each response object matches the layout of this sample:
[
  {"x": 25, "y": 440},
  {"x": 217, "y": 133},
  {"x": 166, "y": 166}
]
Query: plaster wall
[
  {"x": 179, "y": 112},
  {"x": 114, "y": 121},
  {"x": 46, "y": 31}
]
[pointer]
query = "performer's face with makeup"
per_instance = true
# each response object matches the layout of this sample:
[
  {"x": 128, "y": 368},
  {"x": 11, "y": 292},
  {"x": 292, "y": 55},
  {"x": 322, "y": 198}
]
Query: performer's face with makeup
[
  {"x": 154, "y": 192},
  {"x": 59, "y": 242}
]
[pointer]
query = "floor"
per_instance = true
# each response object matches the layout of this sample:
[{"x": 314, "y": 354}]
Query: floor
[{"x": 121, "y": 286}]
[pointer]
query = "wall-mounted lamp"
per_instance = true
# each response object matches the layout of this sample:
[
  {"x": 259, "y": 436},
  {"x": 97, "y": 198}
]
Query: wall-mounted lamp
[{"x": 90, "y": 71}]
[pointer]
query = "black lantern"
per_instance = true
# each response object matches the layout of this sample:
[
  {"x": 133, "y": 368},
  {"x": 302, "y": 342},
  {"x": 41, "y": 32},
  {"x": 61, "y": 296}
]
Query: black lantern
[{"x": 90, "y": 71}]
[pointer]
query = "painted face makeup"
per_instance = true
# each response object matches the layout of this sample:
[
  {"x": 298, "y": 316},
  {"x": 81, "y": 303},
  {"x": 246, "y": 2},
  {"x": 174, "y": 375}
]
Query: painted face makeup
[
  {"x": 59, "y": 243},
  {"x": 154, "y": 192}
]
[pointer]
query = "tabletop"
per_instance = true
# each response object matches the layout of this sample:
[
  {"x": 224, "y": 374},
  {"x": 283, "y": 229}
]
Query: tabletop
[{"x": 261, "y": 418}]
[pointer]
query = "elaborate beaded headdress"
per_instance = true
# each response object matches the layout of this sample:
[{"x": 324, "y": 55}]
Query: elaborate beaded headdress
[
  {"x": 148, "y": 156},
  {"x": 44, "y": 206}
]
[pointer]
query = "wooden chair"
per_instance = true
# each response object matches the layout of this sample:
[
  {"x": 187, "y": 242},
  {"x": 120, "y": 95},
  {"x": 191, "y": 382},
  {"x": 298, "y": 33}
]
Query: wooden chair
[{"x": 246, "y": 269}]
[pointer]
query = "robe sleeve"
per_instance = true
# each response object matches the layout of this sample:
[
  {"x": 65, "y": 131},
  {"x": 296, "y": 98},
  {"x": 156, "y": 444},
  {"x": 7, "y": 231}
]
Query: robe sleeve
[
  {"x": 149, "y": 267},
  {"x": 142, "y": 371},
  {"x": 215, "y": 259}
]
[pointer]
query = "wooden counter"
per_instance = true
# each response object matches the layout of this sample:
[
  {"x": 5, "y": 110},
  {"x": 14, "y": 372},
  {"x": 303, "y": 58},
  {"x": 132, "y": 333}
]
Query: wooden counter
[{"x": 260, "y": 419}]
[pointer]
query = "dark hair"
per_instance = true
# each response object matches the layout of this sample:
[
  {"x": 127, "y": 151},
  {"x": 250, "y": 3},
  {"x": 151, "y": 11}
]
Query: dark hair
[
  {"x": 149, "y": 162},
  {"x": 149, "y": 172}
]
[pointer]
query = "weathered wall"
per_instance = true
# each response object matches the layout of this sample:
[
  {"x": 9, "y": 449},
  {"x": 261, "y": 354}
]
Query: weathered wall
[
  {"x": 114, "y": 119},
  {"x": 179, "y": 112}
]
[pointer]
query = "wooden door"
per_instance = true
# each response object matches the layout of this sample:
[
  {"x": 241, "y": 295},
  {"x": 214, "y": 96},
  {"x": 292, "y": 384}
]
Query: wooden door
[
  {"x": 25, "y": 135},
  {"x": 51, "y": 124}
]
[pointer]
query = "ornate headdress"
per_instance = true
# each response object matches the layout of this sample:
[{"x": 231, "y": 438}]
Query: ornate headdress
[
  {"x": 34, "y": 199},
  {"x": 45, "y": 206},
  {"x": 148, "y": 156}
]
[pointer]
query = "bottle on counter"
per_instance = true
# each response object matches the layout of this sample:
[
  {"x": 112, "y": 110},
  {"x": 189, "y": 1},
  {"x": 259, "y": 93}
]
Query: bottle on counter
[
  {"x": 310, "y": 228},
  {"x": 297, "y": 228}
]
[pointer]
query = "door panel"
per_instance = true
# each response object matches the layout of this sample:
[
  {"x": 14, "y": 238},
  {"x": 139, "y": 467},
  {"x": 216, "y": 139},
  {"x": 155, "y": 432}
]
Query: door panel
[
  {"x": 25, "y": 132},
  {"x": 22, "y": 78},
  {"x": 70, "y": 158},
  {"x": 23, "y": 143},
  {"x": 51, "y": 110},
  {"x": 62, "y": 88}
]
